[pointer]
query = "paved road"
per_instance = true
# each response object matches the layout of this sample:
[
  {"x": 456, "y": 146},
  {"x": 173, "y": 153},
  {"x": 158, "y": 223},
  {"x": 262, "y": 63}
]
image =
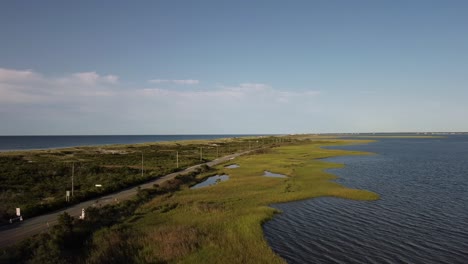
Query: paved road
[{"x": 16, "y": 232}]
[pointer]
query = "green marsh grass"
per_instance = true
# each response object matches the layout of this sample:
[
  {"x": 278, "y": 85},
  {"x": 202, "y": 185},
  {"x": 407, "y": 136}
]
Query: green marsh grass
[
  {"x": 223, "y": 223},
  {"x": 36, "y": 180}
]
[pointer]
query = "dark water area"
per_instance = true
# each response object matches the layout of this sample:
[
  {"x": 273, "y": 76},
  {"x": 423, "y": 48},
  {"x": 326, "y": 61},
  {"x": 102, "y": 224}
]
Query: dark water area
[
  {"x": 422, "y": 216},
  {"x": 8, "y": 143}
]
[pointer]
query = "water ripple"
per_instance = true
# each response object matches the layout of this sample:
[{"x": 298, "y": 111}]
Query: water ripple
[{"x": 420, "y": 218}]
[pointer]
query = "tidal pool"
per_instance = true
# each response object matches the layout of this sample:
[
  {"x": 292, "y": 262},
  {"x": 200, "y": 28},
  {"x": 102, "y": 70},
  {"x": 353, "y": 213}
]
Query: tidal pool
[
  {"x": 275, "y": 175},
  {"x": 233, "y": 166},
  {"x": 213, "y": 180}
]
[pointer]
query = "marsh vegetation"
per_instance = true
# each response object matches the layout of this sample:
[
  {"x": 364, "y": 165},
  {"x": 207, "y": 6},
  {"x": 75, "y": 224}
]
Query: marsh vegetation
[
  {"x": 219, "y": 224},
  {"x": 37, "y": 181}
]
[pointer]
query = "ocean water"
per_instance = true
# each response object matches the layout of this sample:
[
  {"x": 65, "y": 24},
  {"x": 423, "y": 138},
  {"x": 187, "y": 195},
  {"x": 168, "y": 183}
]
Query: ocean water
[
  {"x": 422, "y": 216},
  {"x": 8, "y": 143}
]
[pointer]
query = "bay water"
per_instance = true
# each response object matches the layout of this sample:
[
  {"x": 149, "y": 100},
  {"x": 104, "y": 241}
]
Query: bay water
[
  {"x": 9, "y": 143},
  {"x": 421, "y": 216}
]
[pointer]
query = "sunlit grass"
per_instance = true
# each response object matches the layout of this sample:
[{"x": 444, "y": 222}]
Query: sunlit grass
[{"x": 222, "y": 223}]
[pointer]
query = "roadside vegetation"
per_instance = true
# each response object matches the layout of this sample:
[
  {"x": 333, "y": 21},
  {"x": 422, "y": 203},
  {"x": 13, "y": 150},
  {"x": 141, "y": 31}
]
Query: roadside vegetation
[
  {"x": 37, "y": 181},
  {"x": 68, "y": 241},
  {"x": 216, "y": 224}
]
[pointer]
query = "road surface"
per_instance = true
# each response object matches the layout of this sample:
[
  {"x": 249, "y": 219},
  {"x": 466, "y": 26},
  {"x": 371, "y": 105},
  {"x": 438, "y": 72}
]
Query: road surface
[{"x": 16, "y": 232}]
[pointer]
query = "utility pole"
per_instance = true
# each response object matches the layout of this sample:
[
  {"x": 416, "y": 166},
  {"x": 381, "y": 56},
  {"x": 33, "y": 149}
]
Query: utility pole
[
  {"x": 201, "y": 154},
  {"x": 177, "y": 158},
  {"x": 217, "y": 151},
  {"x": 142, "y": 164},
  {"x": 73, "y": 176}
]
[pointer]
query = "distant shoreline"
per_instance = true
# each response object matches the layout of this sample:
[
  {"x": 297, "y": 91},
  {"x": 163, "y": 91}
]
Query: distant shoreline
[
  {"x": 49, "y": 142},
  {"x": 31, "y": 143}
]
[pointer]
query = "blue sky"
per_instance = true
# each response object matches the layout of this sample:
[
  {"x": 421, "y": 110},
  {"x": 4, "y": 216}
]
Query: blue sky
[{"x": 210, "y": 67}]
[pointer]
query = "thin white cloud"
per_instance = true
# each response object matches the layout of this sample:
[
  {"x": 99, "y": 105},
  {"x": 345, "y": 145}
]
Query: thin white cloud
[
  {"x": 92, "y": 78},
  {"x": 253, "y": 106},
  {"x": 9, "y": 75},
  {"x": 244, "y": 91},
  {"x": 182, "y": 82},
  {"x": 78, "y": 101},
  {"x": 27, "y": 86}
]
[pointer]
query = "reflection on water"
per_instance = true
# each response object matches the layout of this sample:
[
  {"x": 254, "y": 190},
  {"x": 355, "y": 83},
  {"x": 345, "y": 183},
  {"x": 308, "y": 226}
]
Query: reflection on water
[
  {"x": 422, "y": 216},
  {"x": 275, "y": 175},
  {"x": 213, "y": 180},
  {"x": 233, "y": 166}
]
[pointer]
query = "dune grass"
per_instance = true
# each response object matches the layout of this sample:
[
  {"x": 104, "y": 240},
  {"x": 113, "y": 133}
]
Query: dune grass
[{"x": 223, "y": 223}]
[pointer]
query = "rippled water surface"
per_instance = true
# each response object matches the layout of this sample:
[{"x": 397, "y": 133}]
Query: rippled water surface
[{"x": 422, "y": 216}]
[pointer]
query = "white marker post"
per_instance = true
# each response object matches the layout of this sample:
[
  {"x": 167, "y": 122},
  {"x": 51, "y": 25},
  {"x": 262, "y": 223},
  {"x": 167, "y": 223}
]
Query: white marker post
[
  {"x": 82, "y": 216},
  {"x": 18, "y": 213},
  {"x": 67, "y": 196}
]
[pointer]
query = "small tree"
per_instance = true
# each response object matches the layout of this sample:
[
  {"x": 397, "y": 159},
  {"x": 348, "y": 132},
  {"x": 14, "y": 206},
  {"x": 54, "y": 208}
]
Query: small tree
[{"x": 65, "y": 222}]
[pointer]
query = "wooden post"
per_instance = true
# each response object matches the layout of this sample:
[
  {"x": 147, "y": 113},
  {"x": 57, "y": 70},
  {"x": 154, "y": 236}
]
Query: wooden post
[{"x": 72, "y": 179}]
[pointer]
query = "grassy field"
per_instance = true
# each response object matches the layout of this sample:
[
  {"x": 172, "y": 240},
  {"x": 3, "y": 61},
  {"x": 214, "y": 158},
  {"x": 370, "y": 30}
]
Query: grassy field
[{"x": 223, "y": 223}]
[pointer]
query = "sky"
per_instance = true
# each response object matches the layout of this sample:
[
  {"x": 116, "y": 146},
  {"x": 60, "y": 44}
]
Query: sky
[{"x": 232, "y": 67}]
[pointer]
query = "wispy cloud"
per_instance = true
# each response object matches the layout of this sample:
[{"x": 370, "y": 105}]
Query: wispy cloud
[
  {"x": 88, "y": 99},
  {"x": 182, "y": 82},
  {"x": 92, "y": 78},
  {"x": 9, "y": 75},
  {"x": 246, "y": 93},
  {"x": 27, "y": 86}
]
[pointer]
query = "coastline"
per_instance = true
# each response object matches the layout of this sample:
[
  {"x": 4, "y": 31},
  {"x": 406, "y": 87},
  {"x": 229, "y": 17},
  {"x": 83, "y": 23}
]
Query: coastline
[
  {"x": 224, "y": 222},
  {"x": 227, "y": 219},
  {"x": 106, "y": 140}
]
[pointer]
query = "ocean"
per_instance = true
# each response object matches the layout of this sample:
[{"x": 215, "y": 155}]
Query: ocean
[{"x": 9, "y": 143}]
